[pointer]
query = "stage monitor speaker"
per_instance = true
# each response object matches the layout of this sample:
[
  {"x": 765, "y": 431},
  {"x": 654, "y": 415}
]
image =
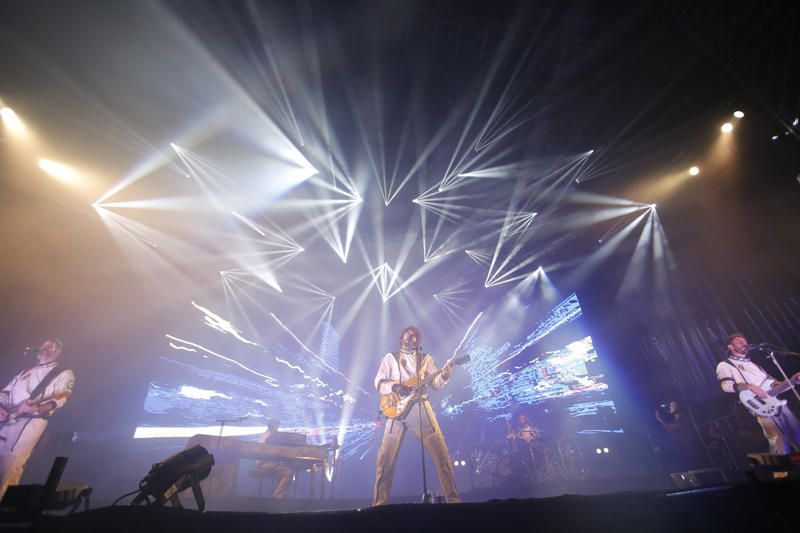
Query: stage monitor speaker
[
  {"x": 33, "y": 499},
  {"x": 768, "y": 467},
  {"x": 703, "y": 477}
]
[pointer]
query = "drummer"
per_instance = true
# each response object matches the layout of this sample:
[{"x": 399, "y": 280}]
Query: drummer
[{"x": 525, "y": 430}]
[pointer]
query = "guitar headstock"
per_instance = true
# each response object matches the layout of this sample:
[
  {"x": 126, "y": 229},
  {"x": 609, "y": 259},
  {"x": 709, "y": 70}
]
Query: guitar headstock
[{"x": 460, "y": 360}]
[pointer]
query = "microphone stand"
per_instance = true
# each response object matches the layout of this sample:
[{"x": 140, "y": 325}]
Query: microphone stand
[
  {"x": 222, "y": 422},
  {"x": 25, "y": 353},
  {"x": 426, "y": 496},
  {"x": 772, "y": 351}
]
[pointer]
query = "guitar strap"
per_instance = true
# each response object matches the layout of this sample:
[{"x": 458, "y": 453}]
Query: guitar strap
[
  {"x": 739, "y": 371},
  {"x": 47, "y": 380},
  {"x": 742, "y": 375}
]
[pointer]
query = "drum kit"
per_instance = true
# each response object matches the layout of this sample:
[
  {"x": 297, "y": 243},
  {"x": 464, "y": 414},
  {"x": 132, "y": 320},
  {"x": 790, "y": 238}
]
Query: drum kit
[{"x": 529, "y": 459}]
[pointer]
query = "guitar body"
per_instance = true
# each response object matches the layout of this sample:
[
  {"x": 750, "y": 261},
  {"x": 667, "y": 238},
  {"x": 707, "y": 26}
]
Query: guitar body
[
  {"x": 395, "y": 406},
  {"x": 769, "y": 406},
  {"x": 766, "y": 407},
  {"x": 13, "y": 414}
]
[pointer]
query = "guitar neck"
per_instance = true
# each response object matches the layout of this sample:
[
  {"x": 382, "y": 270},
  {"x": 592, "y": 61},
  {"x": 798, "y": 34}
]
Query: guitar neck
[
  {"x": 780, "y": 389},
  {"x": 429, "y": 379}
]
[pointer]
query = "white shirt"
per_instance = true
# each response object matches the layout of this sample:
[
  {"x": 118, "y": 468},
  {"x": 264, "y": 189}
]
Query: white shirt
[
  {"x": 745, "y": 371},
  {"x": 389, "y": 373},
  {"x": 20, "y": 388}
]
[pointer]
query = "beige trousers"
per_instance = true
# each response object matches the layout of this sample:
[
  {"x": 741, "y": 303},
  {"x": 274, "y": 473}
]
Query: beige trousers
[
  {"x": 782, "y": 432},
  {"x": 17, "y": 441},
  {"x": 433, "y": 440}
]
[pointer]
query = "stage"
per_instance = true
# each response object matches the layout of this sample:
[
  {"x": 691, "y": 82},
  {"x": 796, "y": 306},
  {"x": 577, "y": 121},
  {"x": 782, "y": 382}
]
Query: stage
[{"x": 748, "y": 506}]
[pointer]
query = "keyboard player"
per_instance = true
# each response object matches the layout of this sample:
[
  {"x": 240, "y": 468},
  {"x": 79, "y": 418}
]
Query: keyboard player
[{"x": 277, "y": 469}]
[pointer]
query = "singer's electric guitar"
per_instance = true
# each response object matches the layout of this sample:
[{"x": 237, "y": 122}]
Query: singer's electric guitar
[
  {"x": 394, "y": 406},
  {"x": 769, "y": 406},
  {"x": 13, "y": 413}
]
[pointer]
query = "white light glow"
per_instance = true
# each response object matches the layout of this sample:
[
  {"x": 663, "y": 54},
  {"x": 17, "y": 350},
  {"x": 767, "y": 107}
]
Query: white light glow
[
  {"x": 727, "y": 127},
  {"x": 201, "y": 394},
  {"x": 694, "y": 171},
  {"x": 738, "y": 114},
  {"x": 60, "y": 171},
  {"x": 12, "y": 121}
]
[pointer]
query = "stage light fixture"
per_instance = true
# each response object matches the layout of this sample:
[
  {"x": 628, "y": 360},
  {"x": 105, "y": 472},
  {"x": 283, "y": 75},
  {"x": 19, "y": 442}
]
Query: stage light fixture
[
  {"x": 176, "y": 473},
  {"x": 463, "y": 463},
  {"x": 12, "y": 121},
  {"x": 738, "y": 114},
  {"x": 694, "y": 171},
  {"x": 727, "y": 127},
  {"x": 59, "y": 171},
  {"x": 605, "y": 450},
  {"x": 775, "y": 137},
  {"x": 599, "y": 451},
  {"x": 455, "y": 463}
]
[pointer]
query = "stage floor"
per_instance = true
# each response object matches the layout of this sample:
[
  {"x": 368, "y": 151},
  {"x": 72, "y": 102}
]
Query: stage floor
[{"x": 754, "y": 507}]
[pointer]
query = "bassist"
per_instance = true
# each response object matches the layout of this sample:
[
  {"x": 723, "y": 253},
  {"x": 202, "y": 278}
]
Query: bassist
[{"x": 738, "y": 373}]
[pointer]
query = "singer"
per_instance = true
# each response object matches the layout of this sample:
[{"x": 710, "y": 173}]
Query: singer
[
  {"x": 396, "y": 368},
  {"x": 25, "y": 407}
]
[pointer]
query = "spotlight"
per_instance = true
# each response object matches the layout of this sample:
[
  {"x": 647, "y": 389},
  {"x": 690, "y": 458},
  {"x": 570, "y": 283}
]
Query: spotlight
[
  {"x": 738, "y": 114},
  {"x": 12, "y": 121},
  {"x": 653, "y": 206},
  {"x": 694, "y": 171},
  {"x": 775, "y": 137},
  {"x": 175, "y": 474},
  {"x": 727, "y": 127},
  {"x": 795, "y": 122},
  {"x": 455, "y": 463},
  {"x": 605, "y": 450},
  {"x": 599, "y": 451},
  {"x": 463, "y": 463},
  {"x": 59, "y": 171}
]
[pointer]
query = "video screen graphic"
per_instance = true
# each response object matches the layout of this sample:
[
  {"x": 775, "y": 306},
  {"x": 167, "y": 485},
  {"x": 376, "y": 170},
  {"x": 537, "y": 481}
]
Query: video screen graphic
[{"x": 551, "y": 373}]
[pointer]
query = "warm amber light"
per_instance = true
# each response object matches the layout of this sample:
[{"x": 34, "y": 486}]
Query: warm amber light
[
  {"x": 12, "y": 121},
  {"x": 60, "y": 171}
]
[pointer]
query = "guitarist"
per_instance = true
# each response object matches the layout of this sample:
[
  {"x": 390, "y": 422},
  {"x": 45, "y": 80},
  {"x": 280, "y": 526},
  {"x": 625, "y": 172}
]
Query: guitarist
[
  {"x": 25, "y": 406},
  {"x": 395, "y": 369},
  {"x": 738, "y": 373}
]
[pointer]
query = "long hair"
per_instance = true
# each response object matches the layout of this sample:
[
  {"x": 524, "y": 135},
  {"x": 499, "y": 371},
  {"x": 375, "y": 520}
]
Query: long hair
[{"x": 415, "y": 329}]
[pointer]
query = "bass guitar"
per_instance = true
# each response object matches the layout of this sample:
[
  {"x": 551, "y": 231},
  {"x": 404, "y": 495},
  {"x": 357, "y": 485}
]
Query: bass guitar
[
  {"x": 769, "y": 406},
  {"x": 394, "y": 406}
]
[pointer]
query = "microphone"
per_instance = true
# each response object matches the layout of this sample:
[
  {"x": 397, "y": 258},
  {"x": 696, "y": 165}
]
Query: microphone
[
  {"x": 756, "y": 347},
  {"x": 28, "y": 350}
]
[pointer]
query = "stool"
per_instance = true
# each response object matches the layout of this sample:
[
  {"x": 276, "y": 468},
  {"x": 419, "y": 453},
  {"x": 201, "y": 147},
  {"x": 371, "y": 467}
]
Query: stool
[{"x": 261, "y": 476}]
